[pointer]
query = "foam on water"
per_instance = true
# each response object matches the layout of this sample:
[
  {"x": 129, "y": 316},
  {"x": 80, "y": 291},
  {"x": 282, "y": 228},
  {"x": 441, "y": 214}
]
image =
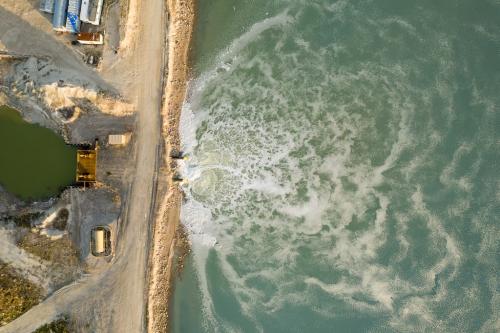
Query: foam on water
[{"x": 312, "y": 178}]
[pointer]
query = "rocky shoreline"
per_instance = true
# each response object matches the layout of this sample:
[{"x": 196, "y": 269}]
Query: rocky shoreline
[{"x": 166, "y": 234}]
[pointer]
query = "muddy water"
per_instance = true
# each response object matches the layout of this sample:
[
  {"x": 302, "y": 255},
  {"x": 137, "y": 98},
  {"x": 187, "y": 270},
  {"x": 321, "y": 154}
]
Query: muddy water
[{"x": 35, "y": 163}]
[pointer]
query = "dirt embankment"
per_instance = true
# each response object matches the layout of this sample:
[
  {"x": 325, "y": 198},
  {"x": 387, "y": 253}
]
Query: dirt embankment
[
  {"x": 180, "y": 29},
  {"x": 47, "y": 85}
]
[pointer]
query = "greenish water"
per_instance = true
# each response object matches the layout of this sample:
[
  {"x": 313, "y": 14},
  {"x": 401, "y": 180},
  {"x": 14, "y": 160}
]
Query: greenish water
[
  {"x": 35, "y": 163},
  {"x": 343, "y": 171}
]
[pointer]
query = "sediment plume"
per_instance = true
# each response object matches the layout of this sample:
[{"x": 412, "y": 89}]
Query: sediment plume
[{"x": 180, "y": 29}]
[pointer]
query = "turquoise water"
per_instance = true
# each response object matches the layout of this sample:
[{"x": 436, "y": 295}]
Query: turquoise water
[{"x": 343, "y": 171}]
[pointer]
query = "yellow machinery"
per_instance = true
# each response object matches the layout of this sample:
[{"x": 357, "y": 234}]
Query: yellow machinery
[{"x": 86, "y": 161}]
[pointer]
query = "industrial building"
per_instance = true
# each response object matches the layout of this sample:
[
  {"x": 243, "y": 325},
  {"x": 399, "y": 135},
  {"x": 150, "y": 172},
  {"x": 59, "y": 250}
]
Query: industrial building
[
  {"x": 73, "y": 16},
  {"x": 69, "y": 14},
  {"x": 47, "y": 6},
  {"x": 60, "y": 15},
  {"x": 91, "y": 11}
]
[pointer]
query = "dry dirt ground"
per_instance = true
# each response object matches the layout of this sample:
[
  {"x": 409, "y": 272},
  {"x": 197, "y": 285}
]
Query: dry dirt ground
[{"x": 45, "y": 78}]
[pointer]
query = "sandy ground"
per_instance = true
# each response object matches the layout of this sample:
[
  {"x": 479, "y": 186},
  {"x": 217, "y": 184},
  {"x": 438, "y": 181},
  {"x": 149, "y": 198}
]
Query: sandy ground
[
  {"x": 182, "y": 15},
  {"x": 119, "y": 298},
  {"x": 113, "y": 299},
  {"x": 42, "y": 82},
  {"x": 31, "y": 267}
]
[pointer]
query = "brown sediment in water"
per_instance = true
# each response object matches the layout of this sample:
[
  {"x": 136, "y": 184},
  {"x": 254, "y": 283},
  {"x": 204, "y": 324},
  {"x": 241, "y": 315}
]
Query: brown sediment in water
[{"x": 165, "y": 234}]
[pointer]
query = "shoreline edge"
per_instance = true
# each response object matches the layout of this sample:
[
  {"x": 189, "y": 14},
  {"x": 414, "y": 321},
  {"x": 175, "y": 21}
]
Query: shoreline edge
[{"x": 181, "y": 18}]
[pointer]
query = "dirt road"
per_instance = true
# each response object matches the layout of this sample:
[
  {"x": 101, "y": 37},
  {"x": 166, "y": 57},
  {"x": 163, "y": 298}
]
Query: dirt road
[
  {"x": 116, "y": 298},
  {"x": 130, "y": 284}
]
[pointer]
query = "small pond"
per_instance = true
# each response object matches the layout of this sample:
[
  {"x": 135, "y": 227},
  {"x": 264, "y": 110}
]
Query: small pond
[{"x": 35, "y": 162}]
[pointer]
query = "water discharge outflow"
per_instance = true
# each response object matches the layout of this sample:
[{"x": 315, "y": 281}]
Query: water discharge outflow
[{"x": 341, "y": 170}]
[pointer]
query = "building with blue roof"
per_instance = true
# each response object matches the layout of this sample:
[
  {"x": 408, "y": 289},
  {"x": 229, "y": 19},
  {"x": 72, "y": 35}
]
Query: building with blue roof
[{"x": 73, "y": 17}]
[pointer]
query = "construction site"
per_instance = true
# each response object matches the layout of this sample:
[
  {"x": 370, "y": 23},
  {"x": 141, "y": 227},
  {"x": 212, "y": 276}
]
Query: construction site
[
  {"x": 81, "y": 71},
  {"x": 81, "y": 20}
]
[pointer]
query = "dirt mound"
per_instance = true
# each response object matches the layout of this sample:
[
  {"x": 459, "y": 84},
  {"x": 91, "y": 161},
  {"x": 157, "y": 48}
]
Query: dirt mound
[
  {"x": 41, "y": 80},
  {"x": 62, "y": 97}
]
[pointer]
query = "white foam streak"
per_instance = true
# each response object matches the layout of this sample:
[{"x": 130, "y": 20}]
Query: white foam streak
[
  {"x": 312, "y": 213},
  {"x": 452, "y": 257},
  {"x": 197, "y": 220},
  {"x": 269, "y": 179},
  {"x": 267, "y": 184},
  {"x": 253, "y": 34},
  {"x": 200, "y": 255}
]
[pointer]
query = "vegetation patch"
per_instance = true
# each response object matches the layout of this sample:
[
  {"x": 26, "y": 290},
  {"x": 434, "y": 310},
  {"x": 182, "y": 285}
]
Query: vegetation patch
[
  {"x": 61, "y": 219},
  {"x": 23, "y": 220},
  {"x": 60, "y": 251},
  {"x": 61, "y": 325},
  {"x": 60, "y": 254},
  {"x": 17, "y": 294}
]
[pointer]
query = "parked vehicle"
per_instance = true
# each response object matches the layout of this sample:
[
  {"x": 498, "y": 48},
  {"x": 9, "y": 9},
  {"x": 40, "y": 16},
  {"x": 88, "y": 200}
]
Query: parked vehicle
[{"x": 101, "y": 241}]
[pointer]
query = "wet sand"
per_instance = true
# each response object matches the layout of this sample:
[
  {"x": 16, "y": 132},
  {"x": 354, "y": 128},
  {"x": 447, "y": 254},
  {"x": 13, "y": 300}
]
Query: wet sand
[{"x": 181, "y": 20}]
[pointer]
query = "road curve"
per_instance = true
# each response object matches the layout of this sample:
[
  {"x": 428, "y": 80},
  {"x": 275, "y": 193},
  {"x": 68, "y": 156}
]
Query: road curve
[{"x": 123, "y": 287}]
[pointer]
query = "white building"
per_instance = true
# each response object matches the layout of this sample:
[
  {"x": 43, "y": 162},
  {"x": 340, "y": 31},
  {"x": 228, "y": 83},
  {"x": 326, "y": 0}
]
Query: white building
[
  {"x": 91, "y": 11},
  {"x": 118, "y": 139}
]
